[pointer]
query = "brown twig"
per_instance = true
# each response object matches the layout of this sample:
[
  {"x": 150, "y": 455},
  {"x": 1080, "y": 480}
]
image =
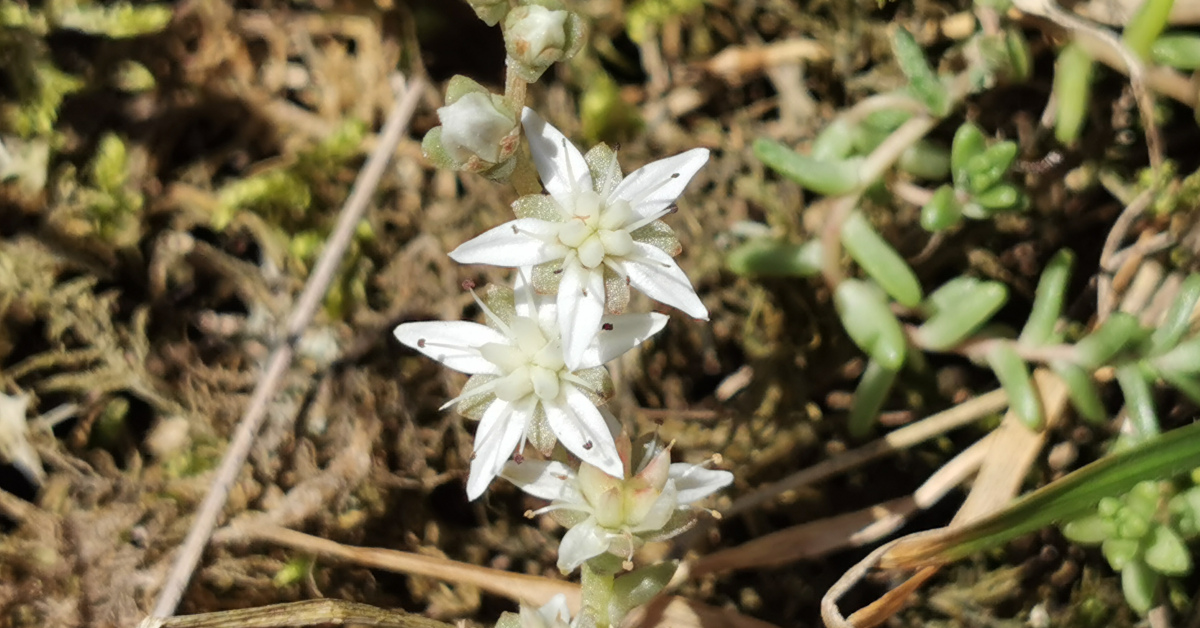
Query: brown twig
[{"x": 306, "y": 306}]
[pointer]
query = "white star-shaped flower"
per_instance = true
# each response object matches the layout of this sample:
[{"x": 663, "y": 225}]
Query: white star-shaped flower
[
  {"x": 616, "y": 514},
  {"x": 594, "y": 235},
  {"x": 521, "y": 387}
]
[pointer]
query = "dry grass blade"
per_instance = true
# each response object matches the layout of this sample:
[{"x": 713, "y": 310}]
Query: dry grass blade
[
  {"x": 855, "y": 529},
  {"x": 900, "y": 439},
  {"x": 675, "y": 612},
  {"x": 306, "y": 306}
]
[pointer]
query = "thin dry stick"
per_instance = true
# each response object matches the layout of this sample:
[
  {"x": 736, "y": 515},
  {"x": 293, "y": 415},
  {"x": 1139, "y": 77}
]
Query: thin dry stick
[
  {"x": 306, "y": 306},
  {"x": 292, "y": 614},
  {"x": 902, "y": 438}
]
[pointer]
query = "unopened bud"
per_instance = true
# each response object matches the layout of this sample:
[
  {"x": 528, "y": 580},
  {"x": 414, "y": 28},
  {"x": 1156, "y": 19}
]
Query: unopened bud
[
  {"x": 479, "y": 131},
  {"x": 538, "y": 36}
]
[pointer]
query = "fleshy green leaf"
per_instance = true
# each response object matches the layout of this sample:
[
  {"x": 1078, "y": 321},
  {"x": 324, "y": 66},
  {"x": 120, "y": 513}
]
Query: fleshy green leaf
[
  {"x": 1048, "y": 300},
  {"x": 1139, "y": 582},
  {"x": 925, "y": 160},
  {"x": 1175, "y": 324},
  {"x": 1013, "y": 374},
  {"x": 968, "y": 142},
  {"x": 1139, "y": 402},
  {"x": 989, "y": 167},
  {"x": 1089, "y": 530},
  {"x": 768, "y": 258},
  {"x": 1146, "y": 25},
  {"x": 1120, "y": 331},
  {"x": 1167, "y": 552},
  {"x": 824, "y": 176},
  {"x": 942, "y": 211},
  {"x": 1177, "y": 50},
  {"x": 880, "y": 260},
  {"x": 923, "y": 82},
  {"x": 1072, "y": 92},
  {"x": 864, "y": 311},
  {"x": 1081, "y": 390},
  {"x": 834, "y": 142},
  {"x": 872, "y": 391},
  {"x": 973, "y": 305}
]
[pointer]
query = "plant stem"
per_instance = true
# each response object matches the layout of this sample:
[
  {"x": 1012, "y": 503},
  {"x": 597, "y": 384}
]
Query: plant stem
[{"x": 597, "y": 593}]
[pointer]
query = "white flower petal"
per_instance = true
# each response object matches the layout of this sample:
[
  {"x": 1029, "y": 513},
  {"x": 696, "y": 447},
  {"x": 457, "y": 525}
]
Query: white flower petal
[
  {"x": 661, "y": 279},
  {"x": 525, "y": 298},
  {"x": 581, "y": 428},
  {"x": 584, "y": 541},
  {"x": 453, "y": 343},
  {"x": 520, "y": 242},
  {"x": 555, "y": 612},
  {"x": 653, "y": 187},
  {"x": 695, "y": 482},
  {"x": 545, "y": 479},
  {"x": 628, "y": 331},
  {"x": 580, "y": 309},
  {"x": 560, "y": 165},
  {"x": 498, "y": 434}
]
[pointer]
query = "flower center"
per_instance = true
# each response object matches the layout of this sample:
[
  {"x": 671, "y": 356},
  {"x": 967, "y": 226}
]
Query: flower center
[
  {"x": 530, "y": 364},
  {"x": 597, "y": 229}
]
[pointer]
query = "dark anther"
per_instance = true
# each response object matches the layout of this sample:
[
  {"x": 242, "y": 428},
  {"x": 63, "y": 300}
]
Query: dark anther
[
  {"x": 421, "y": 343},
  {"x": 588, "y": 445},
  {"x": 607, "y": 327},
  {"x": 518, "y": 459},
  {"x": 558, "y": 271},
  {"x": 674, "y": 175},
  {"x": 468, "y": 285}
]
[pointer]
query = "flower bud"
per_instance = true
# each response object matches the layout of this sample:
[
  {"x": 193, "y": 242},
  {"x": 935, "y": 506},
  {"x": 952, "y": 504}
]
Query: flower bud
[
  {"x": 538, "y": 35},
  {"x": 479, "y": 131}
]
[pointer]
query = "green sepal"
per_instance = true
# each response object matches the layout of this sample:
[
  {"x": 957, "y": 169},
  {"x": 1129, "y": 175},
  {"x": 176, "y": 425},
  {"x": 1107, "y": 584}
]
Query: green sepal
[
  {"x": 1048, "y": 300},
  {"x": 863, "y": 309},
  {"x": 1013, "y": 374},
  {"x": 923, "y": 82},
  {"x": 768, "y": 258},
  {"x": 823, "y": 176},
  {"x": 637, "y": 588},
  {"x": 942, "y": 212},
  {"x": 973, "y": 303},
  {"x": 880, "y": 260},
  {"x": 869, "y": 396}
]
